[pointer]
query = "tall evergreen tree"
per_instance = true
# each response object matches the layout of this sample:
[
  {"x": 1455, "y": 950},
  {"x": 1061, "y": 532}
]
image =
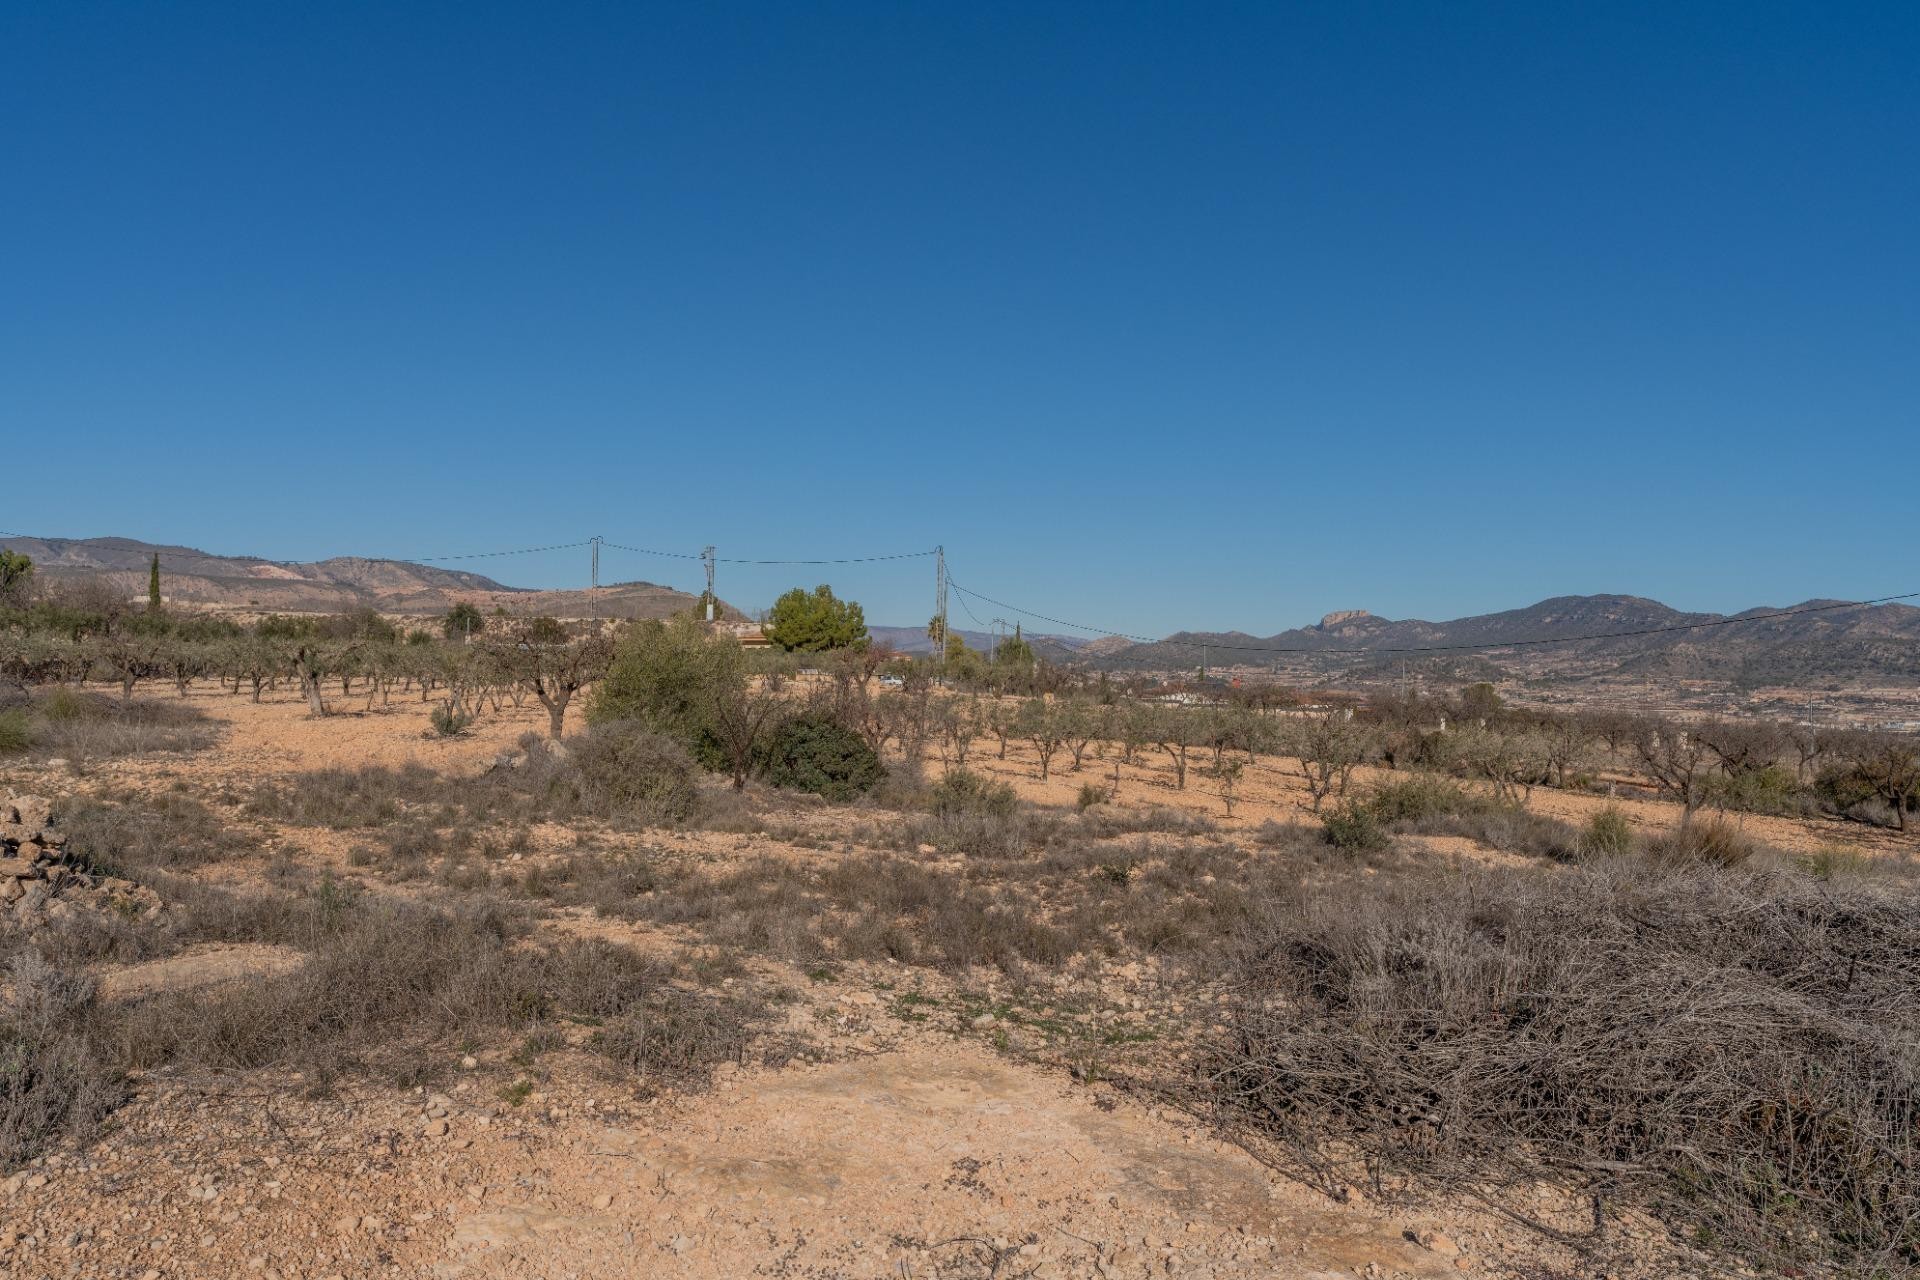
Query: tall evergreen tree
[{"x": 153, "y": 583}]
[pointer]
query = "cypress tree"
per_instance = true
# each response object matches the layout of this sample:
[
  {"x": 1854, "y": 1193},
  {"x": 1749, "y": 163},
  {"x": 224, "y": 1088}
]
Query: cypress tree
[{"x": 153, "y": 584}]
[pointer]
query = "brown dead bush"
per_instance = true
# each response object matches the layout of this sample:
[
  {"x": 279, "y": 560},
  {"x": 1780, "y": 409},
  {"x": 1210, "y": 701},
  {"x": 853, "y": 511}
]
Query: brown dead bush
[{"x": 1732, "y": 1048}]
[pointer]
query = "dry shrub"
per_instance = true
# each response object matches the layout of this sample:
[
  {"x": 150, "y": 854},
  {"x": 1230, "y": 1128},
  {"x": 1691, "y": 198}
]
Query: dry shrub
[
  {"x": 1713, "y": 841},
  {"x": 81, "y": 725},
  {"x": 674, "y": 1037},
  {"x": 617, "y": 770},
  {"x": 621, "y": 769},
  {"x": 382, "y": 981},
  {"x": 1608, "y": 835},
  {"x": 345, "y": 799},
  {"x": 1737, "y": 1049},
  {"x": 975, "y": 816},
  {"x": 131, "y": 837},
  {"x": 55, "y": 1079},
  {"x": 1107, "y": 821},
  {"x": 1173, "y": 899}
]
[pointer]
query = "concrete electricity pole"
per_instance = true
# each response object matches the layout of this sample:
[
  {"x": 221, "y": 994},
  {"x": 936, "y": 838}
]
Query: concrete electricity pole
[
  {"x": 706, "y": 558},
  {"x": 594, "y": 593},
  {"x": 940, "y": 603}
]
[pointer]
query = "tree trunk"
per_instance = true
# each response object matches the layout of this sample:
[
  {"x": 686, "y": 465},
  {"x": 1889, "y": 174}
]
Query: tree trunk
[{"x": 556, "y": 704}]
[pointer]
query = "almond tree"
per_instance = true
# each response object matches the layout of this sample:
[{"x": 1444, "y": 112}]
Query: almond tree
[
  {"x": 539, "y": 654},
  {"x": 1175, "y": 732},
  {"x": 1328, "y": 747},
  {"x": 742, "y": 714},
  {"x": 956, "y": 724},
  {"x": 1890, "y": 764},
  {"x": 1040, "y": 724},
  {"x": 1679, "y": 763}
]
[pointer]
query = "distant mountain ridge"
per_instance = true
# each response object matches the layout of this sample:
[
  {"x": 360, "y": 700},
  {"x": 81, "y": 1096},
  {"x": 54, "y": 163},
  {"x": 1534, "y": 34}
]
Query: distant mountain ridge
[
  {"x": 1612, "y": 635},
  {"x": 1819, "y": 640},
  {"x": 191, "y": 576}
]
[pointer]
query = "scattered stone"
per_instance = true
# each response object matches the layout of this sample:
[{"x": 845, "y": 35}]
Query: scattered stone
[{"x": 36, "y": 871}]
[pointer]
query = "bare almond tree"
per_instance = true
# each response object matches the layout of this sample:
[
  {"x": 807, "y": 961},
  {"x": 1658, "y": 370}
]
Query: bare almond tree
[
  {"x": 1890, "y": 764},
  {"x": 1679, "y": 763},
  {"x": 1328, "y": 747},
  {"x": 541, "y": 655}
]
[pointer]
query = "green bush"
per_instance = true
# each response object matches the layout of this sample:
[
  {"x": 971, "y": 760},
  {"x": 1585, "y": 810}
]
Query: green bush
[
  {"x": 963, "y": 791},
  {"x": 1608, "y": 834},
  {"x": 821, "y": 755},
  {"x": 449, "y": 721},
  {"x": 1768, "y": 790},
  {"x": 61, "y": 705},
  {"x": 1091, "y": 794},
  {"x": 1422, "y": 796},
  {"x": 669, "y": 677},
  {"x": 623, "y": 769},
  {"x": 1354, "y": 827},
  {"x": 16, "y": 732}
]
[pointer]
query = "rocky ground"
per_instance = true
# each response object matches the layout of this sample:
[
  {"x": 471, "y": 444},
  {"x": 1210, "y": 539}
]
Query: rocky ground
[{"x": 913, "y": 1124}]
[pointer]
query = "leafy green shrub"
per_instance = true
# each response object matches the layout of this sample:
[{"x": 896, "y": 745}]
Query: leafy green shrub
[
  {"x": 621, "y": 768},
  {"x": 1422, "y": 796},
  {"x": 819, "y": 754},
  {"x": 1091, "y": 794},
  {"x": 669, "y": 676},
  {"x": 449, "y": 721},
  {"x": 963, "y": 791},
  {"x": 16, "y": 731},
  {"x": 1608, "y": 834},
  {"x": 1769, "y": 790},
  {"x": 60, "y": 705},
  {"x": 1353, "y": 827}
]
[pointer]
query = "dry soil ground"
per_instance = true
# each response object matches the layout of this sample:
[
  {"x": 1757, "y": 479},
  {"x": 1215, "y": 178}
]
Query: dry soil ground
[{"x": 899, "y": 1144}]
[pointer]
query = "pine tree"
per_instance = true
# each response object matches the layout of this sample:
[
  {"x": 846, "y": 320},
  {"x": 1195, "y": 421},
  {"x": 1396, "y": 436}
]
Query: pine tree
[{"x": 153, "y": 584}]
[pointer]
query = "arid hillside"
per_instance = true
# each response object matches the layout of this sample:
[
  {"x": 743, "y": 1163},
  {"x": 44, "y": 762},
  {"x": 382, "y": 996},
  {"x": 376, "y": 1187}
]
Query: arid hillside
[{"x": 249, "y": 584}]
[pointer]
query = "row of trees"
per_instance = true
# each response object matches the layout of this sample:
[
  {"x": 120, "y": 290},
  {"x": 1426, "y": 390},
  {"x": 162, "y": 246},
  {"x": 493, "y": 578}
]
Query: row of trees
[{"x": 681, "y": 671}]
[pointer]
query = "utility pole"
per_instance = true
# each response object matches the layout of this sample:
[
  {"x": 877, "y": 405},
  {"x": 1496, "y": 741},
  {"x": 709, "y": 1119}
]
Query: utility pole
[
  {"x": 940, "y": 604},
  {"x": 706, "y": 558},
  {"x": 593, "y": 594}
]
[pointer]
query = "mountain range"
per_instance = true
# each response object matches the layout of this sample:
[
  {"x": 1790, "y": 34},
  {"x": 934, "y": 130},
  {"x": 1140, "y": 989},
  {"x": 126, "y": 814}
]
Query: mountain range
[
  {"x": 1815, "y": 643},
  {"x": 1630, "y": 636}
]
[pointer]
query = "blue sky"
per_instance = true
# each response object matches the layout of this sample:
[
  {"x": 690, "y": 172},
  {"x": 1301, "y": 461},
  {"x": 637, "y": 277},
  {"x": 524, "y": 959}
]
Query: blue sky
[{"x": 1155, "y": 316}]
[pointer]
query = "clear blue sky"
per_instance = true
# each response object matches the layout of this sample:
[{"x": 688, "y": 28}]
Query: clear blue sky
[{"x": 1158, "y": 316}]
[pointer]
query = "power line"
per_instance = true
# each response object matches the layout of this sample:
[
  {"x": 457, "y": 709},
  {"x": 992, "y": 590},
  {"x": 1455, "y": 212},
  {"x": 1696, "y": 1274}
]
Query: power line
[
  {"x": 679, "y": 555},
  {"x": 1449, "y": 648},
  {"x": 643, "y": 551},
  {"x": 904, "y": 555}
]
